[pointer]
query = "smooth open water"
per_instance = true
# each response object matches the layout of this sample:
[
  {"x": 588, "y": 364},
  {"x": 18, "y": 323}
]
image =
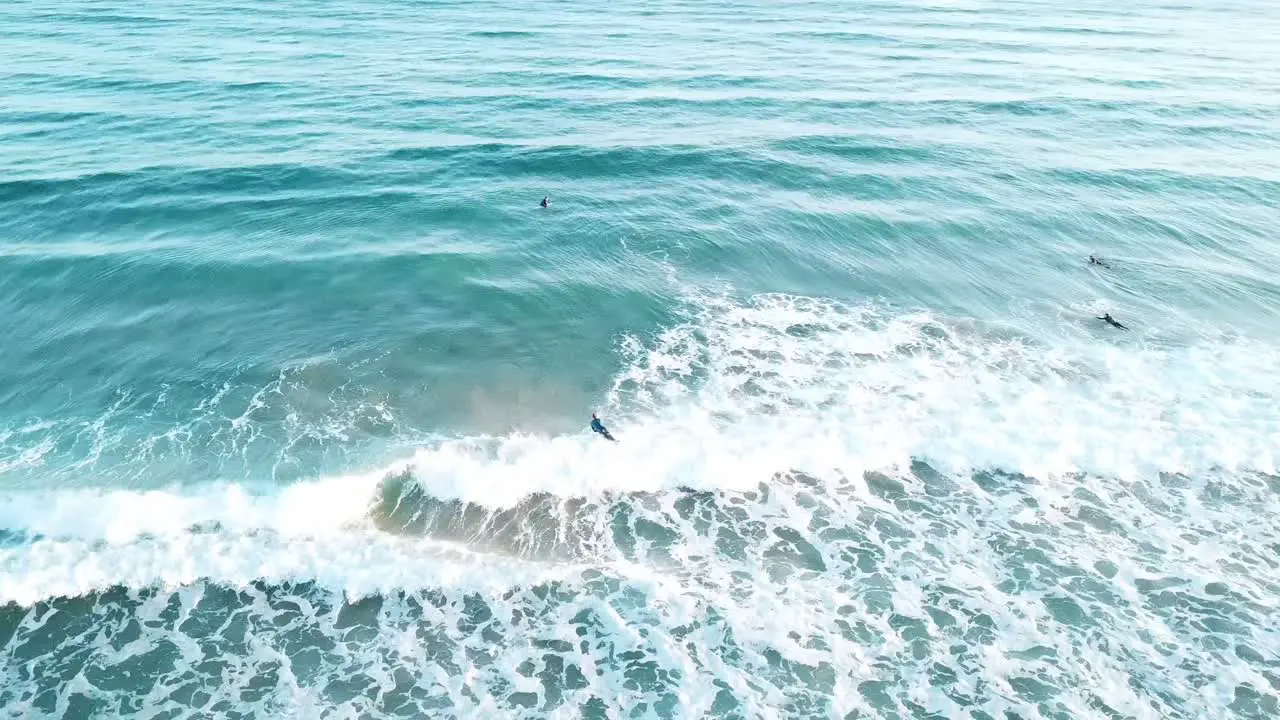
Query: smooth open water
[{"x": 295, "y": 373}]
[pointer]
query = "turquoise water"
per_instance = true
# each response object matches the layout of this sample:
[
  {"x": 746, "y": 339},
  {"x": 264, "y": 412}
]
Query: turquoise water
[{"x": 295, "y": 371}]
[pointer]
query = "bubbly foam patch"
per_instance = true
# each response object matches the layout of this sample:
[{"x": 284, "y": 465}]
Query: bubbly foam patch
[
  {"x": 858, "y": 387},
  {"x": 814, "y": 510},
  {"x": 876, "y": 594}
]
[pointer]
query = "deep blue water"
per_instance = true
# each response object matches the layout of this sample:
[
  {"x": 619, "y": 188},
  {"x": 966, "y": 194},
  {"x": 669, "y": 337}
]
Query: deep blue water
[{"x": 295, "y": 373}]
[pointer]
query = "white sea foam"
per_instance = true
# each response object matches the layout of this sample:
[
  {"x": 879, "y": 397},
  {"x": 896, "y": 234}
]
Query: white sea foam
[
  {"x": 742, "y": 392},
  {"x": 814, "y": 508}
]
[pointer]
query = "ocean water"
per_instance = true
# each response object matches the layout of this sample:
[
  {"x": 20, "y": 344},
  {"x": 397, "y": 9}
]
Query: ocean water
[{"x": 295, "y": 373}]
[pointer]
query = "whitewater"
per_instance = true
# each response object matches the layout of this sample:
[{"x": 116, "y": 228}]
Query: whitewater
[{"x": 815, "y": 509}]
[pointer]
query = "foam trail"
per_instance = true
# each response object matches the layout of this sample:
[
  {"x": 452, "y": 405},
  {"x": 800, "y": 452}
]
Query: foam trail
[
  {"x": 741, "y": 393},
  {"x": 813, "y": 506},
  {"x": 122, "y": 516}
]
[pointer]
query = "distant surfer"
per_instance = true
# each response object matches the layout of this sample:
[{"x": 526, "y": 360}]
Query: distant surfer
[
  {"x": 1112, "y": 321},
  {"x": 599, "y": 427},
  {"x": 1093, "y": 260},
  {"x": 546, "y": 200}
]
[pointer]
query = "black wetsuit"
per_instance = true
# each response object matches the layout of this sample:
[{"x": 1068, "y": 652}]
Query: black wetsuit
[
  {"x": 1112, "y": 321},
  {"x": 599, "y": 427}
]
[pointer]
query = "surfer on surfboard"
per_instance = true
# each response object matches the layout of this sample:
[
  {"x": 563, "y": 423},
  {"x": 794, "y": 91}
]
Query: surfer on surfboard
[
  {"x": 1107, "y": 318},
  {"x": 599, "y": 427}
]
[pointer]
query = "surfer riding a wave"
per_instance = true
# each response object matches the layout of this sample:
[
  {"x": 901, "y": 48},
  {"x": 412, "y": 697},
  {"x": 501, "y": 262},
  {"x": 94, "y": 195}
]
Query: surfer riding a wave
[{"x": 599, "y": 427}]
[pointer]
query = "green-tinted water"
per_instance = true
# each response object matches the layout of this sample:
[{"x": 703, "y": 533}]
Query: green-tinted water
[{"x": 295, "y": 372}]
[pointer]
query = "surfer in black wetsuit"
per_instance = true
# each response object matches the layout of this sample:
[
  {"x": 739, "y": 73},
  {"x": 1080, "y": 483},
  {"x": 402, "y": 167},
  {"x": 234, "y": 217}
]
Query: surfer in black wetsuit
[
  {"x": 1093, "y": 260},
  {"x": 1112, "y": 321},
  {"x": 546, "y": 200},
  {"x": 599, "y": 427}
]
